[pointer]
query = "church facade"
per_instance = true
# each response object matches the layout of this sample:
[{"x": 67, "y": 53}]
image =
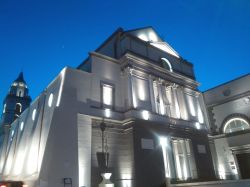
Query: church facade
[{"x": 132, "y": 109}]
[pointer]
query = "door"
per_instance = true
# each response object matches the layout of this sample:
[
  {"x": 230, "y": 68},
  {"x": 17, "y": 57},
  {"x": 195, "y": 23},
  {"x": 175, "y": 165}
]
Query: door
[{"x": 244, "y": 165}]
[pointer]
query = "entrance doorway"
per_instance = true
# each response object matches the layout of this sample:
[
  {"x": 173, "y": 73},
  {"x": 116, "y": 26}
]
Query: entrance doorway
[{"x": 244, "y": 165}]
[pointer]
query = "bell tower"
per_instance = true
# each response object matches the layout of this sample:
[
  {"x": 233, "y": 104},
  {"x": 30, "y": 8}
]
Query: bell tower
[{"x": 15, "y": 102}]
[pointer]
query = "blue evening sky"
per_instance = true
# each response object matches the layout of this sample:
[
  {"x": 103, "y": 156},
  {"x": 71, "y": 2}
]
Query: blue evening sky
[{"x": 40, "y": 37}]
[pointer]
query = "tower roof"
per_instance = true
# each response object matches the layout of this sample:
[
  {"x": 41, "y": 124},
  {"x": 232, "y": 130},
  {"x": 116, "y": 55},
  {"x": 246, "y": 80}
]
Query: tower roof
[{"x": 20, "y": 78}]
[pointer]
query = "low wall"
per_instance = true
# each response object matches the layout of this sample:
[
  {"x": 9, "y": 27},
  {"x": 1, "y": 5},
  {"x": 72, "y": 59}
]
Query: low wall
[{"x": 227, "y": 183}]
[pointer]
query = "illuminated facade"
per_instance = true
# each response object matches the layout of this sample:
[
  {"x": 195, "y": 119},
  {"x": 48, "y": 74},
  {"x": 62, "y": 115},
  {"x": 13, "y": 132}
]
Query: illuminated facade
[
  {"x": 228, "y": 107},
  {"x": 145, "y": 93}
]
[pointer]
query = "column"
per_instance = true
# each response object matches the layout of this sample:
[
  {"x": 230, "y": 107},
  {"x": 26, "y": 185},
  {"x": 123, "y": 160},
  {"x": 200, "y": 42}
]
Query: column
[
  {"x": 185, "y": 99},
  {"x": 151, "y": 92},
  {"x": 176, "y": 102},
  {"x": 162, "y": 108},
  {"x": 130, "y": 97},
  {"x": 183, "y": 105}
]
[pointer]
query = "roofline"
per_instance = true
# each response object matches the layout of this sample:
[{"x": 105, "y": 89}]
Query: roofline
[
  {"x": 119, "y": 29},
  {"x": 182, "y": 60},
  {"x": 109, "y": 38},
  {"x": 147, "y": 27},
  {"x": 227, "y": 82}
]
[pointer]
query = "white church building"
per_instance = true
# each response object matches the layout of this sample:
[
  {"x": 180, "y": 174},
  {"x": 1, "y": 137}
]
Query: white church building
[{"x": 156, "y": 121}]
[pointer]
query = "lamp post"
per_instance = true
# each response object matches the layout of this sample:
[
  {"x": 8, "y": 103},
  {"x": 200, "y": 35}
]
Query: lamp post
[{"x": 103, "y": 160}]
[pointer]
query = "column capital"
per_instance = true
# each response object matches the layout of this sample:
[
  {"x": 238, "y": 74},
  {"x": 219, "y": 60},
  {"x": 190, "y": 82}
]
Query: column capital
[{"x": 175, "y": 86}]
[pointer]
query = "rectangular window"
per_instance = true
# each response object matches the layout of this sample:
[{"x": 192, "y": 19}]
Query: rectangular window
[
  {"x": 184, "y": 159},
  {"x": 141, "y": 93},
  {"x": 107, "y": 95},
  {"x": 178, "y": 158}
]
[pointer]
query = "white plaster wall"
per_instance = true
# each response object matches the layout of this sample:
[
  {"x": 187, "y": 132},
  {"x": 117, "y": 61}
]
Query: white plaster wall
[
  {"x": 109, "y": 72},
  {"x": 60, "y": 158},
  {"x": 236, "y": 87}
]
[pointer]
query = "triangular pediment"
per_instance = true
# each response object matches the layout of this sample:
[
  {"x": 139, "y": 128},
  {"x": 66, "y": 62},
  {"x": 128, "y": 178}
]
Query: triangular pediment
[{"x": 148, "y": 34}]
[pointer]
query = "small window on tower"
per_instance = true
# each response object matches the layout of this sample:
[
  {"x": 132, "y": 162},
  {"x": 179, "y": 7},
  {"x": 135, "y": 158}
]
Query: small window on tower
[
  {"x": 107, "y": 95},
  {"x": 20, "y": 93},
  {"x": 18, "y": 109},
  {"x": 4, "y": 108}
]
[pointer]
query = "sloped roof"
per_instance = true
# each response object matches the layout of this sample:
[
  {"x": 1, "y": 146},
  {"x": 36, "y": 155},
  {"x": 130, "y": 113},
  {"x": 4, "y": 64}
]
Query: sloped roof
[{"x": 20, "y": 78}]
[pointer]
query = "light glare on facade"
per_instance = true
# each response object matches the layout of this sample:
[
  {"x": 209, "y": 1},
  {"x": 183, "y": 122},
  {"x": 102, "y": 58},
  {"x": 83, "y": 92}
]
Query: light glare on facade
[
  {"x": 177, "y": 110},
  {"x": 141, "y": 92},
  {"x": 152, "y": 37},
  {"x": 200, "y": 116},
  {"x": 34, "y": 114},
  {"x": 107, "y": 112},
  {"x": 50, "y": 100},
  {"x": 61, "y": 87},
  {"x": 145, "y": 114},
  {"x": 143, "y": 37},
  {"x": 21, "y": 125},
  {"x": 126, "y": 180},
  {"x": 197, "y": 125},
  {"x": 191, "y": 105},
  {"x": 163, "y": 141},
  {"x": 19, "y": 163},
  {"x": 222, "y": 173},
  {"x": 162, "y": 108}
]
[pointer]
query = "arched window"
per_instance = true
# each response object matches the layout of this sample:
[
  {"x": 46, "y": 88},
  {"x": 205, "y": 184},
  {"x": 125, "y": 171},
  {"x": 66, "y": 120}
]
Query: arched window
[
  {"x": 166, "y": 64},
  {"x": 20, "y": 92},
  {"x": 235, "y": 124},
  {"x": 18, "y": 108}
]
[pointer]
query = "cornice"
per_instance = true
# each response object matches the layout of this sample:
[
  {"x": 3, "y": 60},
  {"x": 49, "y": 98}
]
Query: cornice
[
  {"x": 130, "y": 59},
  {"x": 104, "y": 57}
]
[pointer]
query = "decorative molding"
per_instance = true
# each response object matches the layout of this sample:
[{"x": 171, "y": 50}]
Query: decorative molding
[
  {"x": 229, "y": 99},
  {"x": 130, "y": 59}
]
